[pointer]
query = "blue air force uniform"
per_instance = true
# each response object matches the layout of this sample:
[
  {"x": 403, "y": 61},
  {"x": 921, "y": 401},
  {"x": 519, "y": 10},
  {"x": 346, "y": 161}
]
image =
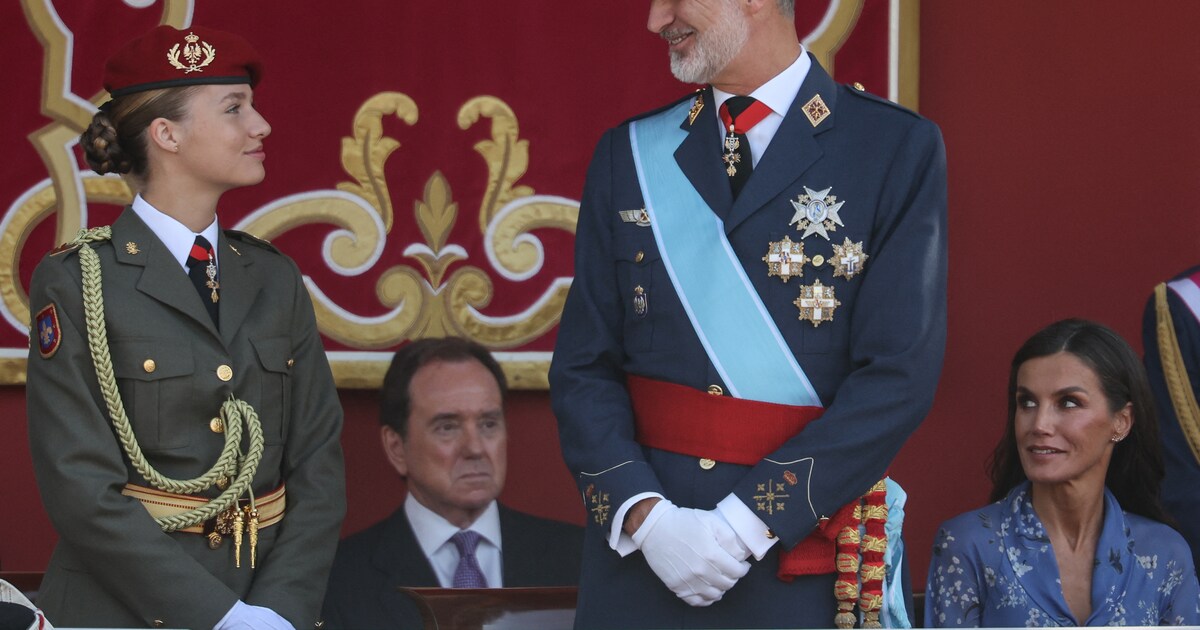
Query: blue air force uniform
[
  {"x": 874, "y": 365},
  {"x": 1181, "y": 463}
]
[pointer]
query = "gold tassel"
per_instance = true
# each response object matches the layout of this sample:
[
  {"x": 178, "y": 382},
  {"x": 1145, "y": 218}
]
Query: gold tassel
[
  {"x": 253, "y": 535},
  {"x": 237, "y": 537}
]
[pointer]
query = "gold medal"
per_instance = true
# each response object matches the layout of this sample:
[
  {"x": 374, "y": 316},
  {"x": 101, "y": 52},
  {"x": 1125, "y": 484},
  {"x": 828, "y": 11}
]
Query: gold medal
[
  {"x": 848, "y": 259},
  {"x": 816, "y": 303},
  {"x": 785, "y": 259}
]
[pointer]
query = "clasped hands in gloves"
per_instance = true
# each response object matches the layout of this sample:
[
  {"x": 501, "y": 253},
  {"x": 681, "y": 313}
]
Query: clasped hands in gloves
[{"x": 694, "y": 552}]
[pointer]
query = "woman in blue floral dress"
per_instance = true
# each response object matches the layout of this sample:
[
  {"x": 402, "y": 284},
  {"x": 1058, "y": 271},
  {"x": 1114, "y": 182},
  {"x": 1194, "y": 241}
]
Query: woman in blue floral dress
[{"x": 1075, "y": 536}]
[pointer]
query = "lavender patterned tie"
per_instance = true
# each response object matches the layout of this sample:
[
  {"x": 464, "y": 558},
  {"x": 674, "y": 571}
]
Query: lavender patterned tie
[{"x": 468, "y": 573}]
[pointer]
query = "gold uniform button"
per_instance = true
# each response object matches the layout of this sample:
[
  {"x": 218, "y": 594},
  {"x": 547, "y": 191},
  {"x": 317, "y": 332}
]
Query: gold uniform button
[
  {"x": 818, "y": 260},
  {"x": 707, "y": 464},
  {"x": 639, "y": 257},
  {"x": 291, "y": 362},
  {"x": 770, "y": 535},
  {"x": 149, "y": 365},
  {"x": 224, "y": 372},
  {"x": 216, "y": 425},
  {"x": 716, "y": 390},
  {"x": 858, "y": 86},
  {"x": 158, "y": 623}
]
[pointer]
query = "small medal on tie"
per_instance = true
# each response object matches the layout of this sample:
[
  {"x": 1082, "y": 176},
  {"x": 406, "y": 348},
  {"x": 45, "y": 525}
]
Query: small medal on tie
[
  {"x": 731, "y": 156},
  {"x": 211, "y": 272}
]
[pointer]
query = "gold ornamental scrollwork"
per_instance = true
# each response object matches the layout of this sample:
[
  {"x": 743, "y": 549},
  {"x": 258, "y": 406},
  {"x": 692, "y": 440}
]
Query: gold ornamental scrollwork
[{"x": 428, "y": 300}]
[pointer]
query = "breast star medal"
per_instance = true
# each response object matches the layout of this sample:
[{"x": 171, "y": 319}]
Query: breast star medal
[
  {"x": 816, "y": 213},
  {"x": 816, "y": 303},
  {"x": 848, "y": 259},
  {"x": 785, "y": 259}
]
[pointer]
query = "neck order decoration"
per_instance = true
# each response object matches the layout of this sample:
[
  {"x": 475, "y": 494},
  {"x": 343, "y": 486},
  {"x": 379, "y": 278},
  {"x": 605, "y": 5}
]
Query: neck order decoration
[
  {"x": 862, "y": 580},
  {"x": 235, "y": 414}
]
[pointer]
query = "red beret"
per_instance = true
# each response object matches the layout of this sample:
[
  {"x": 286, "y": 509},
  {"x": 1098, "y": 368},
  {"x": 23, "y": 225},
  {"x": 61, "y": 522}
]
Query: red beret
[{"x": 166, "y": 57}]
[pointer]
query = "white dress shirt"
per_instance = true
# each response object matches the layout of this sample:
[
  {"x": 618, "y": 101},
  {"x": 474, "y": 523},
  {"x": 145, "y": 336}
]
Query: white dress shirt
[
  {"x": 434, "y": 533},
  {"x": 777, "y": 94},
  {"x": 178, "y": 237}
]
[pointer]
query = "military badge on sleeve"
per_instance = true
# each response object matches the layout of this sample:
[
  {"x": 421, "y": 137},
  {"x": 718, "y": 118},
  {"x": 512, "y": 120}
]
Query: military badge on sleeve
[
  {"x": 816, "y": 213},
  {"x": 48, "y": 333},
  {"x": 597, "y": 503}
]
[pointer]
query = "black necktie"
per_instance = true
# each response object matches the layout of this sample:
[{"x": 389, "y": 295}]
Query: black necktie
[
  {"x": 739, "y": 114},
  {"x": 202, "y": 269}
]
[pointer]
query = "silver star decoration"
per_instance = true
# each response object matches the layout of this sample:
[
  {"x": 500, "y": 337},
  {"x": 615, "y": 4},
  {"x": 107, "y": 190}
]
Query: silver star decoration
[{"x": 816, "y": 213}]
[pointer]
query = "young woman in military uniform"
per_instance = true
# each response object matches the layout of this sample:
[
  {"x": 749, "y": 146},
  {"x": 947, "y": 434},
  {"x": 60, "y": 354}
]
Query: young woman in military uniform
[{"x": 183, "y": 420}]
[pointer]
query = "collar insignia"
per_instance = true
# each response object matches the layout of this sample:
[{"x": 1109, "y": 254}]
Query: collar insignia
[{"x": 815, "y": 110}]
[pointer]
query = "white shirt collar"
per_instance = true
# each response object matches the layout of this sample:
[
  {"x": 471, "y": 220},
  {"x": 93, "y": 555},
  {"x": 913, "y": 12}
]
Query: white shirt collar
[
  {"x": 781, "y": 90},
  {"x": 176, "y": 236},
  {"x": 433, "y": 531}
]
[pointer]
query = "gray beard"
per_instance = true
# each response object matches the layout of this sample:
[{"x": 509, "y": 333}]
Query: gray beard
[{"x": 712, "y": 51}]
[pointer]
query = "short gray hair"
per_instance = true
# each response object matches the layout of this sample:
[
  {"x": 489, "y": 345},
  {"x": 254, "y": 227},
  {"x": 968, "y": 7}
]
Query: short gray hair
[{"x": 787, "y": 7}]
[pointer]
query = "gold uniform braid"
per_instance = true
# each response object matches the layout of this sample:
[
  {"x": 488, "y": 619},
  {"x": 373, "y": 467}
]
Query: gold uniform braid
[
  {"x": 234, "y": 413},
  {"x": 1183, "y": 398}
]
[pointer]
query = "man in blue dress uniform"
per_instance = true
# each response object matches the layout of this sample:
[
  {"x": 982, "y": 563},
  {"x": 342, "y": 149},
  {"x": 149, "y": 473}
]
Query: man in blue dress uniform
[
  {"x": 756, "y": 325},
  {"x": 1171, "y": 339}
]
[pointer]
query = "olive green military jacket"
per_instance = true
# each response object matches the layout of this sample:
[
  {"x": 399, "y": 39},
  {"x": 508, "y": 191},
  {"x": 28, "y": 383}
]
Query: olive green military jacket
[{"x": 113, "y": 565}]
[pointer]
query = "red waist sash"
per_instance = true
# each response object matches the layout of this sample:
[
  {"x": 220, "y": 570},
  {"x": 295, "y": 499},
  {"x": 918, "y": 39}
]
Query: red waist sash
[{"x": 683, "y": 420}]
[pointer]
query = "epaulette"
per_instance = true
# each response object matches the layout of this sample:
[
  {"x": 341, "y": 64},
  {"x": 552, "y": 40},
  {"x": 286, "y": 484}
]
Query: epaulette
[
  {"x": 250, "y": 239},
  {"x": 858, "y": 90},
  {"x": 96, "y": 234},
  {"x": 692, "y": 96}
]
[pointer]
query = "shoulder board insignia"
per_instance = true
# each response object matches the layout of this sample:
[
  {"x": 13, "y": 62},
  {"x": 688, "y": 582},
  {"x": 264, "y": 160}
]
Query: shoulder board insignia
[
  {"x": 69, "y": 246},
  {"x": 860, "y": 91},
  {"x": 250, "y": 239},
  {"x": 49, "y": 335}
]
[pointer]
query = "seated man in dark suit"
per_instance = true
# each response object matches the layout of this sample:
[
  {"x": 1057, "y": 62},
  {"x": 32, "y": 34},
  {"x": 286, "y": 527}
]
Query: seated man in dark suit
[{"x": 442, "y": 410}]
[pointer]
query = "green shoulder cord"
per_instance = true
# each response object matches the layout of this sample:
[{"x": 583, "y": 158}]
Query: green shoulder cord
[{"x": 233, "y": 412}]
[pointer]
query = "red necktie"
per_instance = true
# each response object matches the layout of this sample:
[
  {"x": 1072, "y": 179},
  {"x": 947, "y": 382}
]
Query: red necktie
[
  {"x": 738, "y": 115},
  {"x": 202, "y": 269}
]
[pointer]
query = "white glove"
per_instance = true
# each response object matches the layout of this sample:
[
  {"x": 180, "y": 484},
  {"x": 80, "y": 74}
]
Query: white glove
[
  {"x": 692, "y": 552},
  {"x": 246, "y": 617}
]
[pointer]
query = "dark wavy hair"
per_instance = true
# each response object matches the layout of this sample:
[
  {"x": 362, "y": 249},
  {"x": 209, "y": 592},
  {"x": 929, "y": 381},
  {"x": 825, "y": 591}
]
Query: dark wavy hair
[
  {"x": 395, "y": 397},
  {"x": 1135, "y": 471}
]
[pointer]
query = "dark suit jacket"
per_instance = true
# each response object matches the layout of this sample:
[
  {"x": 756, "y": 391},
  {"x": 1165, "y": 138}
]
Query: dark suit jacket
[{"x": 371, "y": 564}]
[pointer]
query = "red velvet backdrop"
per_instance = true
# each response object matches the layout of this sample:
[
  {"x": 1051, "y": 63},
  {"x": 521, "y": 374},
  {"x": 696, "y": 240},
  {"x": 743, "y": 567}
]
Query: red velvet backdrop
[{"x": 1069, "y": 129}]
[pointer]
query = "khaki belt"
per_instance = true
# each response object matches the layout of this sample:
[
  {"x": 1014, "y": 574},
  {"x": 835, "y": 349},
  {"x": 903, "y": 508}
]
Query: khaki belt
[{"x": 163, "y": 504}]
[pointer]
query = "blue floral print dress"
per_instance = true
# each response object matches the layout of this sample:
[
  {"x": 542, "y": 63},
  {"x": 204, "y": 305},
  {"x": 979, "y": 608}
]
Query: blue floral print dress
[{"x": 995, "y": 567}]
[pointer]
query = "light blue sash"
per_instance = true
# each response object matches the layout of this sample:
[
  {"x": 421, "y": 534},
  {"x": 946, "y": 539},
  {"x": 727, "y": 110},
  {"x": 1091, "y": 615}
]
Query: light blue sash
[{"x": 728, "y": 315}]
